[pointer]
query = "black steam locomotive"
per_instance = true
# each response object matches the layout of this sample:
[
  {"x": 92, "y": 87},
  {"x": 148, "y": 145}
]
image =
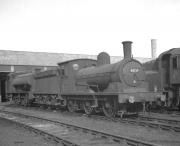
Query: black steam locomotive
[
  {"x": 86, "y": 84},
  {"x": 163, "y": 74}
]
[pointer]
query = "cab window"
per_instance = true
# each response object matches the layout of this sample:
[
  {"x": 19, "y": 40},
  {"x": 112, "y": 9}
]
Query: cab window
[
  {"x": 175, "y": 62},
  {"x": 62, "y": 71}
]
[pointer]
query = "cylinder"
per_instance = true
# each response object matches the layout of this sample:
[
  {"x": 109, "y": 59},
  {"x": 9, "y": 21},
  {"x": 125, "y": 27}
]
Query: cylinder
[
  {"x": 127, "y": 49},
  {"x": 153, "y": 48}
]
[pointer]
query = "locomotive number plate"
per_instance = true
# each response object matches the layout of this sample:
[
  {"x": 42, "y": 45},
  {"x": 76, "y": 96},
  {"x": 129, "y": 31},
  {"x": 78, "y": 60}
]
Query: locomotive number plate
[{"x": 134, "y": 70}]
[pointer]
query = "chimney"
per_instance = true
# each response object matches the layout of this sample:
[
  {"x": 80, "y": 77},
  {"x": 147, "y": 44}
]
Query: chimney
[
  {"x": 127, "y": 49},
  {"x": 153, "y": 48}
]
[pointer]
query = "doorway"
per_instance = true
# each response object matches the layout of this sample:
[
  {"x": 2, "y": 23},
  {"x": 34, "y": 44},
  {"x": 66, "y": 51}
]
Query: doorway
[{"x": 3, "y": 90}]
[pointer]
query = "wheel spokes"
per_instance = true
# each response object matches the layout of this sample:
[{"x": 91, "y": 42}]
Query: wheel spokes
[
  {"x": 109, "y": 109},
  {"x": 70, "y": 106},
  {"x": 87, "y": 108}
]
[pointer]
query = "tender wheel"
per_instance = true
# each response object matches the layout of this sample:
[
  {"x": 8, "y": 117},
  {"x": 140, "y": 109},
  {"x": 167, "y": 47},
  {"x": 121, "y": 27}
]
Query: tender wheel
[
  {"x": 71, "y": 106},
  {"x": 17, "y": 100},
  {"x": 22, "y": 102},
  {"x": 87, "y": 108},
  {"x": 109, "y": 109},
  {"x": 26, "y": 101}
]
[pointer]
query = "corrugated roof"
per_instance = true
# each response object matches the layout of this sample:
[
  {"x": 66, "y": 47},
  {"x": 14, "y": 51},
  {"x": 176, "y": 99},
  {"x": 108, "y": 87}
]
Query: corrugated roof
[{"x": 8, "y": 57}]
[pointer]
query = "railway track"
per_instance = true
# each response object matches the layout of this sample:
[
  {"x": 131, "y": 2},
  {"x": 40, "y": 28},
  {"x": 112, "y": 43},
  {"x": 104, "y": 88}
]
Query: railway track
[
  {"x": 141, "y": 120},
  {"x": 145, "y": 121},
  {"x": 174, "y": 114},
  {"x": 67, "y": 134},
  {"x": 29, "y": 126},
  {"x": 157, "y": 123},
  {"x": 162, "y": 120},
  {"x": 152, "y": 122}
]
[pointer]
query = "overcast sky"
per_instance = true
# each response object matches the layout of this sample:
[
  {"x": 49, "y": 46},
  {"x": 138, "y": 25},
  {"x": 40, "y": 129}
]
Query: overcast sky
[{"x": 89, "y": 26}]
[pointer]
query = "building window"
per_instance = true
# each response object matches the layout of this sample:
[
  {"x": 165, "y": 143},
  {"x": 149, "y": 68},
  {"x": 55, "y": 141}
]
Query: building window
[{"x": 62, "y": 70}]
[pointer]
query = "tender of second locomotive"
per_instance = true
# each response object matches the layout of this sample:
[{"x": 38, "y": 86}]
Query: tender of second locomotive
[{"x": 86, "y": 84}]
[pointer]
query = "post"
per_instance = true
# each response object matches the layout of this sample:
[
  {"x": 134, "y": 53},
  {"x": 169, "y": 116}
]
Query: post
[{"x": 153, "y": 48}]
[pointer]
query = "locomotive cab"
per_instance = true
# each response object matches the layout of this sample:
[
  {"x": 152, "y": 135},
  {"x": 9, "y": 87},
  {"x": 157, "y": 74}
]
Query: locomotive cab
[
  {"x": 162, "y": 75},
  {"x": 169, "y": 68}
]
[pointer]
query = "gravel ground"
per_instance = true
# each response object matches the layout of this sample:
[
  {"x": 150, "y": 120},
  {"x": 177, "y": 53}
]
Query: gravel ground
[
  {"x": 13, "y": 135},
  {"x": 136, "y": 132}
]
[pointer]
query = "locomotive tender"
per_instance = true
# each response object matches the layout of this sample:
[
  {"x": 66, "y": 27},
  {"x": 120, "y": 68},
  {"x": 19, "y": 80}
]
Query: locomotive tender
[
  {"x": 163, "y": 74},
  {"x": 86, "y": 84}
]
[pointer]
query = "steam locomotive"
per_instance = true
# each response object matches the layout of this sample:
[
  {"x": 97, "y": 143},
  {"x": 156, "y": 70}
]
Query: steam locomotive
[
  {"x": 163, "y": 74},
  {"x": 86, "y": 84}
]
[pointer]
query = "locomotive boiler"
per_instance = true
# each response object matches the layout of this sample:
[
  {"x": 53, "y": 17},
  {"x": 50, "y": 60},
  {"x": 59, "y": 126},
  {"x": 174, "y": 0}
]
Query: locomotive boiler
[
  {"x": 128, "y": 73},
  {"x": 89, "y": 85}
]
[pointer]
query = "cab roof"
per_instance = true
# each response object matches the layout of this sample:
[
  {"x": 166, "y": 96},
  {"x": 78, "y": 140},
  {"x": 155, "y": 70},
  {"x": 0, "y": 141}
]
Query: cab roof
[{"x": 173, "y": 51}]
